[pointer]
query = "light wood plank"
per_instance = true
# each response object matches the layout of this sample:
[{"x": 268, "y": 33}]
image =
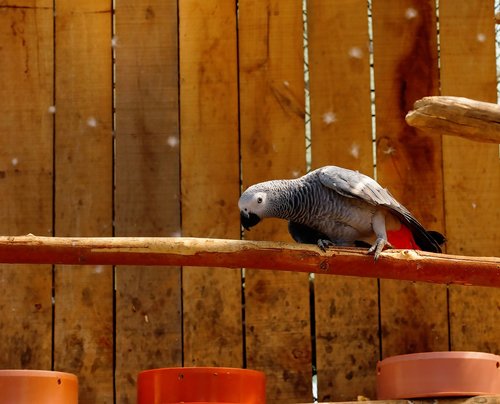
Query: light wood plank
[
  {"x": 346, "y": 308},
  {"x": 414, "y": 317},
  {"x": 210, "y": 177},
  {"x": 26, "y": 92},
  {"x": 148, "y": 300},
  {"x": 273, "y": 146},
  {"x": 83, "y": 193},
  {"x": 471, "y": 169}
]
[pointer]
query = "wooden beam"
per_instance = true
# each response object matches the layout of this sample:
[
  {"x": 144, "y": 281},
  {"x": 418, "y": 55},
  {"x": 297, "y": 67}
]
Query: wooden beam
[
  {"x": 447, "y": 400},
  {"x": 458, "y": 116},
  {"x": 393, "y": 264}
]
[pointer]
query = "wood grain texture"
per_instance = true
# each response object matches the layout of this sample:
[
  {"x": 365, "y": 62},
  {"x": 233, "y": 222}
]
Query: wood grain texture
[
  {"x": 396, "y": 264},
  {"x": 210, "y": 177},
  {"x": 26, "y": 92},
  {"x": 83, "y": 193},
  {"x": 459, "y": 400},
  {"x": 458, "y": 116},
  {"x": 273, "y": 146},
  {"x": 405, "y": 60},
  {"x": 148, "y": 300},
  {"x": 471, "y": 169},
  {"x": 340, "y": 109},
  {"x": 346, "y": 308}
]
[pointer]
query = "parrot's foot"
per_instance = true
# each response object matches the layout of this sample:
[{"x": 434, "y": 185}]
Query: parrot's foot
[
  {"x": 377, "y": 248},
  {"x": 323, "y": 244}
]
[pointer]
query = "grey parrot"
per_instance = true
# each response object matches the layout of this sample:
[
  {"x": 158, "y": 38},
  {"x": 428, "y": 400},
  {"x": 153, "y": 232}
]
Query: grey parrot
[{"x": 336, "y": 206}]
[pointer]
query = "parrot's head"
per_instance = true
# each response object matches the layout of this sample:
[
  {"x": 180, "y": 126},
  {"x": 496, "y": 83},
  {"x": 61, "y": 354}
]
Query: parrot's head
[{"x": 255, "y": 204}]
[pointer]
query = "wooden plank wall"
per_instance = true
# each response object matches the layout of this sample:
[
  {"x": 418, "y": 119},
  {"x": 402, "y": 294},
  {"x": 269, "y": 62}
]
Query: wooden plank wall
[
  {"x": 213, "y": 331},
  {"x": 347, "y": 309},
  {"x": 413, "y": 316},
  {"x": 26, "y": 176},
  {"x": 83, "y": 161},
  {"x": 148, "y": 328},
  {"x": 146, "y": 119},
  {"x": 272, "y": 113},
  {"x": 471, "y": 170}
]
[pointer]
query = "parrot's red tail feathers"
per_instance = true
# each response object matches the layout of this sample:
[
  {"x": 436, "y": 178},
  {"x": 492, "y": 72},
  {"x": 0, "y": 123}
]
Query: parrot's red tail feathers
[{"x": 402, "y": 239}]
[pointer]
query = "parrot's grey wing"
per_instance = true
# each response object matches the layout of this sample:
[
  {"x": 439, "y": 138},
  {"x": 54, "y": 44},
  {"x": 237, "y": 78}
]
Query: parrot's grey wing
[{"x": 353, "y": 184}]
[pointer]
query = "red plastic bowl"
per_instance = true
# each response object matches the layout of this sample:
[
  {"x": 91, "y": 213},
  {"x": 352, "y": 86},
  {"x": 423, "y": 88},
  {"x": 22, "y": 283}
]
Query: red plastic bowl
[
  {"x": 438, "y": 374},
  {"x": 201, "y": 385},
  {"x": 38, "y": 386}
]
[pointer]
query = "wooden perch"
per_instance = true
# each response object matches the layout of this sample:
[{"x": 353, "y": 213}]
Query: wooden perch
[
  {"x": 457, "y": 116},
  {"x": 393, "y": 264},
  {"x": 441, "y": 400}
]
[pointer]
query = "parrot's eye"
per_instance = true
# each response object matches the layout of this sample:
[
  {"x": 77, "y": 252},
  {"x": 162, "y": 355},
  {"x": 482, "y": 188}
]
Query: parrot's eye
[{"x": 259, "y": 200}]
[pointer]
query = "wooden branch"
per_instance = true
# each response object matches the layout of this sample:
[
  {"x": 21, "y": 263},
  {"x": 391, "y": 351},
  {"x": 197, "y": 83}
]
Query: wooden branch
[
  {"x": 393, "y": 264},
  {"x": 457, "y": 116},
  {"x": 447, "y": 400}
]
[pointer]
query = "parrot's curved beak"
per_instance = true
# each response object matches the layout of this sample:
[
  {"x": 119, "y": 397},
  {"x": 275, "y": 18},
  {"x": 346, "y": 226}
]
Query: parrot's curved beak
[{"x": 248, "y": 219}]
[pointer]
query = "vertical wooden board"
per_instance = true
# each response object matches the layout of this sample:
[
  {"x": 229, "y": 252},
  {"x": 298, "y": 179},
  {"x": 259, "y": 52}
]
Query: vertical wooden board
[
  {"x": 413, "y": 316},
  {"x": 26, "y": 92},
  {"x": 346, "y": 308},
  {"x": 148, "y": 306},
  {"x": 339, "y": 67},
  {"x": 277, "y": 311},
  {"x": 83, "y": 193},
  {"x": 210, "y": 177},
  {"x": 471, "y": 169}
]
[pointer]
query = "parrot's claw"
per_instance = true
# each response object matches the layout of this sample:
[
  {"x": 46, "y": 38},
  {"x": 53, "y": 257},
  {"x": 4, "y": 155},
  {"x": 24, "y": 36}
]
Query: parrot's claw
[
  {"x": 377, "y": 248},
  {"x": 323, "y": 244}
]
